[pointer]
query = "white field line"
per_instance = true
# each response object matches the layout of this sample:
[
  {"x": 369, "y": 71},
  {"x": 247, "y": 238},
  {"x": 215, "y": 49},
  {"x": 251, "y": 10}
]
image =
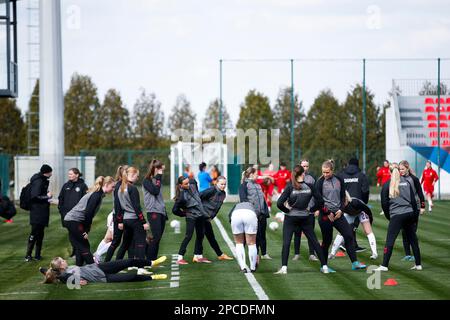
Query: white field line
[{"x": 259, "y": 291}]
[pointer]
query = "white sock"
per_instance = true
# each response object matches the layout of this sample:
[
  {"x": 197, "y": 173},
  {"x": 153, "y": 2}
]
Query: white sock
[
  {"x": 336, "y": 244},
  {"x": 252, "y": 254},
  {"x": 373, "y": 243},
  {"x": 283, "y": 268},
  {"x": 240, "y": 255},
  {"x": 102, "y": 248},
  {"x": 180, "y": 257}
]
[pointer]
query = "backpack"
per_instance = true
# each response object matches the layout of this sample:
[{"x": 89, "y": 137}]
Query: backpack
[{"x": 25, "y": 198}]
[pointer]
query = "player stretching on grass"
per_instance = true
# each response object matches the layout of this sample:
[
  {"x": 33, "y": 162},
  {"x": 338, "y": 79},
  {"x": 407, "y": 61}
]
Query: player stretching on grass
[{"x": 60, "y": 271}]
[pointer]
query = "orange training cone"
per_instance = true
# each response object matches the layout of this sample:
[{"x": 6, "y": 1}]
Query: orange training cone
[
  {"x": 340, "y": 254},
  {"x": 390, "y": 282}
]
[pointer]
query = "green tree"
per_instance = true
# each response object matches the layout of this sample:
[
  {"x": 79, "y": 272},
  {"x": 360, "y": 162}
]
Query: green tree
[
  {"x": 148, "y": 122},
  {"x": 80, "y": 105},
  {"x": 324, "y": 132},
  {"x": 211, "y": 120},
  {"x": 282, "y": 120},
  {"x": 12, "y": 130},
  {"x": 256, "y": 114},
  {"x": 112, "y": 122},
  {"x": 32, "y": 121},
  {"x": 353, "y": 106},
  {"x": 182, "y": 115}
]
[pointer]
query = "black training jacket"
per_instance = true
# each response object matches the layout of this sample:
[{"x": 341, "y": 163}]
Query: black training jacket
[
  {"x": 212, "y": 199},
  {"x": 40, "y": 207},
  {"x": 355, "y": 182},
  {"x": 71, "y": 193}
]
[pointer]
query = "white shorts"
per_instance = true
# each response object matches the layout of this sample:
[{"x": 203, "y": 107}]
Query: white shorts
[
  {"x": 244, "y": 221},
  {"x": 363, "y": 217},
  {"x": 110, "y": 222}
]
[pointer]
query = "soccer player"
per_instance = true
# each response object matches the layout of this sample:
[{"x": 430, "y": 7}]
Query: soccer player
[
  {"x": 117, "y": 217},
  {"x": 204, "y": 178},
  {"x": 244, "y": 225},
  {"x": 189, "y": 204},
  {"x": 104, "y": 245},
  {"x": 212, "y": 200},
  {"x": 406, "y": 172},
  {"x": 250, "y": 191},
  {"x": 134, "y": 223},
  {"x": 155, "y": 205},
  {"x": 357, "y": 185},
  {"x": 331, "y": 198},
  {"x": 383, "y": 174},
  {"x": 40, "y": 199},
  {"x": 294, "y": 202},
  {"x": 282, "y": 177},
  {"x": 269, "y": 184},
  {"x": 400, "y": 208},
  {"x": 60, "y": 271},
  {"x": 356, "y": 208},
  {"x": 79, "y": 220},
  {"x": 429, "y": 178},
  {"x": 309, "y": 178}
]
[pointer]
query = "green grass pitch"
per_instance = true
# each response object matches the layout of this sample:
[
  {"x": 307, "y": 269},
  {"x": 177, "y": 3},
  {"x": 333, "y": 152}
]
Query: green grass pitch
[{"x": 222, "y": 279}]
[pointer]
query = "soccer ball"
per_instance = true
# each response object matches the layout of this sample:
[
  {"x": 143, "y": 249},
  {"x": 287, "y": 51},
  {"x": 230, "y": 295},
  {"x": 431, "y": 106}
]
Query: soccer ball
[
  {"x": 175, "y": 224},
  {"x": 279, "y": 217},
  {"x": 273, "y": 225}
]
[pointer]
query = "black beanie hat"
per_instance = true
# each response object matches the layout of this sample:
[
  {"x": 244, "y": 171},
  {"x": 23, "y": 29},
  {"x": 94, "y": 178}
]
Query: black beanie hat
[
  {"x": 46, "y": 169},
  {"x": 353, "y": 161}
]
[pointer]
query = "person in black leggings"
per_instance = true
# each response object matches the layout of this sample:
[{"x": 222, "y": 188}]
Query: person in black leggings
[
  {"x": 188, "y": 204},
  {"x": 212, "y": 199},
  {"x": 294, "y": 202},
  {"x": 79, "y": 220},
  {"x": 154, "y": 206},
  {"x": 405, "y": 171},
  {"x": 400, "y": 208},
  {"x": 331, "y": 199},
  {"x": 134, "y": 223},
  {"x": 117, "y": 218},
  {"x": 102, "y": 272},
  {"x": 312, "y": 217}
]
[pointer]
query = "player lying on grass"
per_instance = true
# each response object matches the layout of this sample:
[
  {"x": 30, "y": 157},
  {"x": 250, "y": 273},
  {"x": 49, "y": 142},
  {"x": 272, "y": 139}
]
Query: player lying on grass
[{"x": 60, "y": 271}]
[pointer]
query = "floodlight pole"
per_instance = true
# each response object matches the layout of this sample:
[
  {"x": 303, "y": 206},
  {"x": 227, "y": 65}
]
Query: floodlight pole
[
  {"x": 364, "y": 116},
  {"x": 51, "y": 101},
  {"x": 292, "y": 116},
  {"x": 220, "y": 99},
  {"x": 439, "y": 126}
]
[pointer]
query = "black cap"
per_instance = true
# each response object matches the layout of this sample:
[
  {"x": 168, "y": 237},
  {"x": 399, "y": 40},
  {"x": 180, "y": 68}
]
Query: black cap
[
  {"x": 353, "y": 161},
  {"x": 46, "y": 169}
]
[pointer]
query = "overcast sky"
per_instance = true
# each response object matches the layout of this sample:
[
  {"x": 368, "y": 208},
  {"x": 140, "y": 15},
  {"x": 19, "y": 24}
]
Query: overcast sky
[{"x": 173, "y": 46}]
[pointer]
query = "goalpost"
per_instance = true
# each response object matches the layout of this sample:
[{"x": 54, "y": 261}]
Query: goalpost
[{"x": 194, "y": 153}]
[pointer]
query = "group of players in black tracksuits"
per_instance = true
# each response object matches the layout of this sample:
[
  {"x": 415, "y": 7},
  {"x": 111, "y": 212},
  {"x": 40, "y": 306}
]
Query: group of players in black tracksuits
[{"x": 328, "y": 198}]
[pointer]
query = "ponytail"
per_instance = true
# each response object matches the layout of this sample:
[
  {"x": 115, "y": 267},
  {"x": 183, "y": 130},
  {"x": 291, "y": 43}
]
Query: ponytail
[
  {"x": 328, "y": 164},
  {"x": 298, "y": 171},
  {"x": 177, "y": 189},
  {"x": 120, "y": 169},
  {"x": 394, "y": 190},
  {"x": 100, "y": 182},
  {"x": 125, "y": 177}
]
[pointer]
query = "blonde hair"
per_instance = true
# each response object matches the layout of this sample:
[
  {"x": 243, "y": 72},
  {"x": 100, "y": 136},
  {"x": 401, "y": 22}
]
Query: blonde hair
[
  {"x": 125, "y": 177},
  {"x": 54, "y": 271},
  {"x": 407, "y": 166},
  {"x": 394, "y": 191},
  {"x": 328, "y": 164},
  {"x": 100, "y": 182},
  {"x": 119, "y": 172}
]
